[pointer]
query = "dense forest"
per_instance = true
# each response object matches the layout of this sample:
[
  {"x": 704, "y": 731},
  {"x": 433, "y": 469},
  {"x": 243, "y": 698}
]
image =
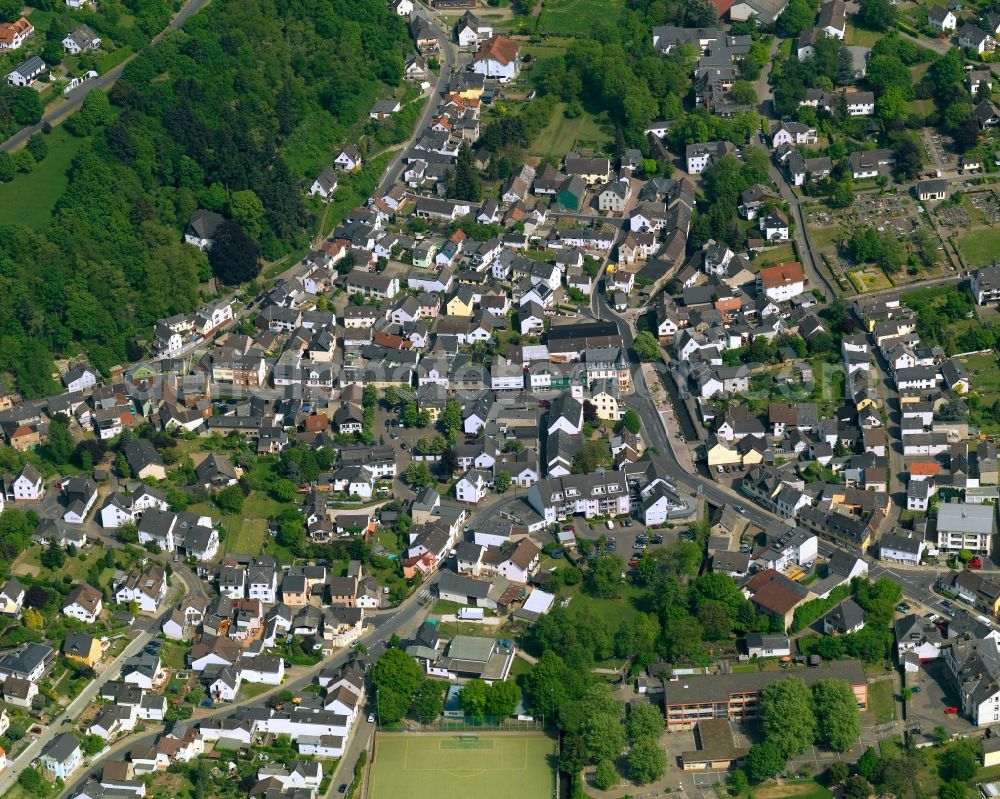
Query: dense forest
[{"x": 230, "y": 114}]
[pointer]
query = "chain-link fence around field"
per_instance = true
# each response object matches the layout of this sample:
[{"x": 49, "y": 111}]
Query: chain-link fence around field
[{"x": 468, "y": 724}]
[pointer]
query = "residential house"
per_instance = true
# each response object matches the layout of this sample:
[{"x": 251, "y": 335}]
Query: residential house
[
  {"x": 62, "y": 756},
  {"x": 25, "y": 73},
  {"x": 962, "y": 525},
  {"x": 498, "y": 57},
  {"x": 942, "y": 18},
  {"x": 83, "y": 603},
  {"x": 201, "y": 229},
  {"x": 847, "y": 617},
  {"x": 782, "y": 282}
]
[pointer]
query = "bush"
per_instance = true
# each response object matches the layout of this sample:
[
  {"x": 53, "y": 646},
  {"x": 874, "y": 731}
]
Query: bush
[{"x": 606, "y": 775}]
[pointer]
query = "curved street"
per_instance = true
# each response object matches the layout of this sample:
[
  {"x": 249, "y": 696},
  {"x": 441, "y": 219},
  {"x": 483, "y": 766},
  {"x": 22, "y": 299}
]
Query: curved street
[
  {"x": 407, "y": 617},
  {"x": 62, "y": 108}
]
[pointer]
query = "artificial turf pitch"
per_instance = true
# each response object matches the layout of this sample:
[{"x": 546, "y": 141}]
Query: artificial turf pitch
[{"x": 452, "y": 766}]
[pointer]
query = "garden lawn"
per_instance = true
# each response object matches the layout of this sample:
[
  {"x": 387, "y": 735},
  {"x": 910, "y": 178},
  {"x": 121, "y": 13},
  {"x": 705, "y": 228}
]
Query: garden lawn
[
  {"x": 881, "y": 701},
  {"x": 978, "y": 248},
  {"x": 860, "y": 37},
  {"x": 578, "y": 17},
  {"x": 775, "y": 255},
  {"x": 793, "y": 789},
  {"x": 28, "y": 564},
  {"x": 249, "y": 690},
  {"x": 613, "y": 611},
  {"x": 986, "y": 375},
  {"x": 562, "y": 135},
  {"x": 28, "y": 199},
  {"x": 826, "y": 236},
  {"x": 249, "y": 539},
  {"x": 172, "y": 654},
  {"x": 109, "y": 61}
]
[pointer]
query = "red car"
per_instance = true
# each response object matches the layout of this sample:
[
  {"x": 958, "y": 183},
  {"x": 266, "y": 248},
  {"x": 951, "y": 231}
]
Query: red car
[
  {"x": 975, "y": 563},
  {"x": 950, "y": 711}
]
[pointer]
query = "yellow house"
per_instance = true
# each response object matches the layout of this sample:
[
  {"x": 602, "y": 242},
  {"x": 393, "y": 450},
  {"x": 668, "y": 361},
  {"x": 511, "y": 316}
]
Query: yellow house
[
  {"x": 753, "y": 457},
  {"x": 721, "y": 455},
  {"x": 460, "y": 305},
  {"x": 989, "y": 750},
  {"x": 83, "y": 648},
  {"x": 604, "y": 397},
  {"x": 11, "y": 597}
]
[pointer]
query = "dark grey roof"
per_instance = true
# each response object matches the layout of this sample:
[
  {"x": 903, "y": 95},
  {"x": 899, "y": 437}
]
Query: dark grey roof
[
  {"x": 141, "y": 453},
  {"x": 846, "y": 616},
  {"x": 457, "y": 584},
  {"x": 203, "y": 224},
  {"x": 61, "y": 747}
]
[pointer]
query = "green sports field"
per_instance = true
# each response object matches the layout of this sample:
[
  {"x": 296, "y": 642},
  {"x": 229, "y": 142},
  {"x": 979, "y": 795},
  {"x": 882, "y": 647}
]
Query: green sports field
[{"x": 441, "y": 766}]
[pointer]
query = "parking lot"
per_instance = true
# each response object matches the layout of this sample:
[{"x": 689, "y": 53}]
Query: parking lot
[
  {"x": 622, "y": 540},
  {"x": 933, "y": 694}
]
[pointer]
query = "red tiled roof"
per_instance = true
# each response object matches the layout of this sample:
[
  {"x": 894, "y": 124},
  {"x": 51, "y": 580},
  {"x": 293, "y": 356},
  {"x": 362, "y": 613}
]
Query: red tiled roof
[
  {"x": 499, "y": 49},
  {"x": 782, "y": 274}
]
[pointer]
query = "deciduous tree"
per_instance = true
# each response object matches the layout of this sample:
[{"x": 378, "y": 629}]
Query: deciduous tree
[
  {"x": 763, "y": 761},
  {"x": 646, "y": 347},
  {"x": 836, "y": 709},
  {"x": 647, "y": 761},
  {"x": 787, "y": 716},
  {"x": 233, "y": 256},
  {"x": 644, "y": 721}
]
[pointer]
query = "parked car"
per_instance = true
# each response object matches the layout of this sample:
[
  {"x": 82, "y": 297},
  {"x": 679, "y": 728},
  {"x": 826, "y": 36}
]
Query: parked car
[
  {"x": 902, "y": 607},
  {"x": 371, "y": 718},
  {"x": 975, "y": 563},
  {"x": 342, "y": 788},
  {"x": 916, "y": 689},
  {"x": 628, "y": 522},
  {"x": 657, "y": 539},
  {"x": 739, "y": 509},
  {"x": 950, "y": 711}
]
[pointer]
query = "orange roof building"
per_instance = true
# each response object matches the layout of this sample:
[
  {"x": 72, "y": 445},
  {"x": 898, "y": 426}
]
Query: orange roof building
[
  {"x": 925, "y": 469},
  {"x": 498, "y": 57},
  {"x": 781, "y": 282},
  {"x": 13, "y": 34}
]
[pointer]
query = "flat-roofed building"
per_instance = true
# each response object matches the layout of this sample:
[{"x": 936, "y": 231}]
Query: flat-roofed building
[
  {"x": 692, "y": 698},
  {"x": 717, "y": 748}
]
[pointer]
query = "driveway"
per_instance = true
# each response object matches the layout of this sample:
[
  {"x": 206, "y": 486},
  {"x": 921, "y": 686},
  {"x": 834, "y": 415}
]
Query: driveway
[
  {"x": 926, "y": 708},
  {"x": 61, "y": 109}
]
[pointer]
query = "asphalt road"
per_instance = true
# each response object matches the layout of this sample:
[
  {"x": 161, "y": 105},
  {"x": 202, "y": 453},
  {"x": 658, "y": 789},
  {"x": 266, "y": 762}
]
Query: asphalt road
[
  {"x": 146, "y": 629},
  {"x": 75, "y": 98},
  {"x": 448, "y": 58},
  {"x": 402, "y": 622},
  {"x": 654, "y": 432}
]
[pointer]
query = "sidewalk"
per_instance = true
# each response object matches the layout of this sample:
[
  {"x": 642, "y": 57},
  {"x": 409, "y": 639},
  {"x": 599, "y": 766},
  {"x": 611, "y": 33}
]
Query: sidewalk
[{"x": 667, "y": 417}]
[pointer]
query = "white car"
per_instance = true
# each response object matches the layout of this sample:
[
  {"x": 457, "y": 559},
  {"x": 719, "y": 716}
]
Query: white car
[{"x": 371, "y": 718}]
